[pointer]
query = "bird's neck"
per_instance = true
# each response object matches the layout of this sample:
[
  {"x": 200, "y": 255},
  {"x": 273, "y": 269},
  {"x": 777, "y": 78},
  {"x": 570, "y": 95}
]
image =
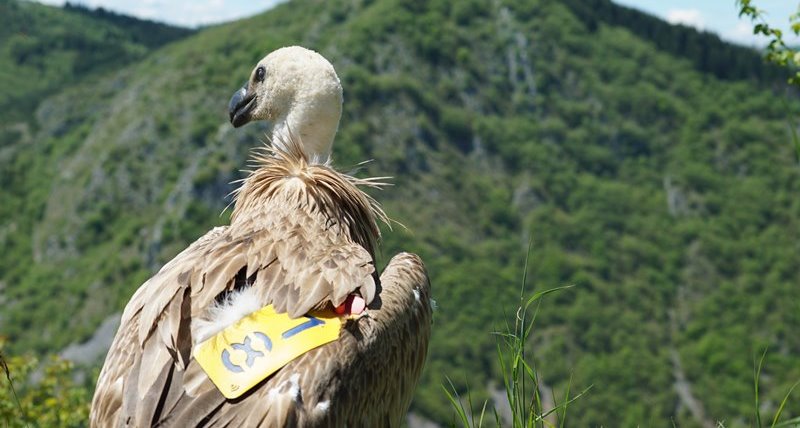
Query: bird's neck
[{"x": 315, "y": 132}]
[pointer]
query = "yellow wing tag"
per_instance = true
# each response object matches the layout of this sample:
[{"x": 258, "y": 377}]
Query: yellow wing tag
[{"x": 245, "y": 353}]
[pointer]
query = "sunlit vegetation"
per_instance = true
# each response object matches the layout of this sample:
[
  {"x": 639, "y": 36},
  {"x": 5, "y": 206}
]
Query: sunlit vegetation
[{"x": 36, "y": 393}]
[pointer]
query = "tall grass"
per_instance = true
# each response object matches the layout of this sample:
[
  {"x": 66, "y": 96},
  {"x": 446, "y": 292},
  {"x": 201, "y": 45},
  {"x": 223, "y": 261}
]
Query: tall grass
[
  {"x": 791, "y": 423},
  {"x": 519, "y": 374},
  {"x": 521, "y": 379}
]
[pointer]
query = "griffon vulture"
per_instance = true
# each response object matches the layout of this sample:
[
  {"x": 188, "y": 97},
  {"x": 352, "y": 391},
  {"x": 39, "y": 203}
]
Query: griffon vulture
[{"x": 300, "y": 243}]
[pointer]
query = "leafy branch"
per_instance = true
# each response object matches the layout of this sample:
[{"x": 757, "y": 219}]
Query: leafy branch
[{"x": 778, "y": 52}]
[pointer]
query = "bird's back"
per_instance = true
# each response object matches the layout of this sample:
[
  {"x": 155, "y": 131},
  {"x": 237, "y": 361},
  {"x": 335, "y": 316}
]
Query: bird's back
[{"x": 301, "y": 236}]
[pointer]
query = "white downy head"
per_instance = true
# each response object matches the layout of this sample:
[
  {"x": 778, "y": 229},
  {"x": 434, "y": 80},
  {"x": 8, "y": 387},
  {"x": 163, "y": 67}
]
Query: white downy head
[{"x": 298, "y": 91}]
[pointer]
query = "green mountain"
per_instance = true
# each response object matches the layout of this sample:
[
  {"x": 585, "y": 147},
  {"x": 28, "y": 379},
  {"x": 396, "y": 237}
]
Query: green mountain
[
  {"x": 647, "y": 164},
  {"x": 44, "y": 48}
]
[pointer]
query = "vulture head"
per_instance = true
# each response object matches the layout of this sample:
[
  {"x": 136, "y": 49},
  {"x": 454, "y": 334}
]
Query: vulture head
[{"x": 298, "y": 91}]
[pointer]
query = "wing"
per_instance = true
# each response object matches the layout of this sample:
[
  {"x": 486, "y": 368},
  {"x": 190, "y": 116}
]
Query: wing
[
  {"x": 126, "y": 350},
  {"x": 368, "y": 376},
  {"x": 365, "y": 378},
  {"x": 153, "y": 344},
  {"x": 304, "y": 259},
  {"x": 375, "y": 364}
]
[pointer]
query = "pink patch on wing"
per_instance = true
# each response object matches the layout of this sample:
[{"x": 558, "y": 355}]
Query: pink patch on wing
[{"x": 353, "y": 305}]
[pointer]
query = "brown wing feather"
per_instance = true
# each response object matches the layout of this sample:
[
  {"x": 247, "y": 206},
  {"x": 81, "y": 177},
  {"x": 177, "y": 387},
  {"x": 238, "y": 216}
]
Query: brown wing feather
[
  {"x": 387, "y": 345},
  {"x": 126, "y": 349},
  {"x": 159, "y": 316},
  {"x": 308, "y": 249},
  {"x": 365, "y": 378}
]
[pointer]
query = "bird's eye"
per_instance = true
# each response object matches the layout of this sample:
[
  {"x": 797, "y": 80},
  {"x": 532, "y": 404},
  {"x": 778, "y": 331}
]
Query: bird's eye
[{"x": 260, "y": 74}]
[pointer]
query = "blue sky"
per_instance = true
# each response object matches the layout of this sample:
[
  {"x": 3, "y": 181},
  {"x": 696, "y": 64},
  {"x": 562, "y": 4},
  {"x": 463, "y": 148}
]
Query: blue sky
[
  {"x": 189, "y": 13},
  {"x": 719, "y": 16}
]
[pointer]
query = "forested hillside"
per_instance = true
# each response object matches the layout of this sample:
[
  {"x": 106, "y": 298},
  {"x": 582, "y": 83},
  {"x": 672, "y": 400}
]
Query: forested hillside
[
  {"x": 43, "y": 49},
  {"x": 666, "y": 191}
]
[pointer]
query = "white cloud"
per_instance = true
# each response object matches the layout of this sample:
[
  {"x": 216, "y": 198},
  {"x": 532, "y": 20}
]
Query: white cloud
[
  {"x": 181, "y": 12},
  {"x": 688, "y": 17},
  {"x": 742, "y": 34},
  {"x": 146, "y": 12}
]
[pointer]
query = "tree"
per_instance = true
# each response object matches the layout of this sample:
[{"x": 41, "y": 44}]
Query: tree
[{"x": 778, "y": 52}]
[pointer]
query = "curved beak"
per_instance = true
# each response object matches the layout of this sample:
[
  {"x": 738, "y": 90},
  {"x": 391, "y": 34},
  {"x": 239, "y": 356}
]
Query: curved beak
[{"x": 242, "y": 103}]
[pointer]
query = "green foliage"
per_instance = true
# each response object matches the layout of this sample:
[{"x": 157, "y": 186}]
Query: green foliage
[
  {"x": 43, "y": 48},
  {"x": 526, "y": 407},
  {"x": 795, "y": 422},
  {"x": 778, "y": 51},
  {"x": 41, "y": 395},
  {"x": 704, "y": 50},
  {"x": 520, "y": 380},
  {"x": 141, "y": 31}
]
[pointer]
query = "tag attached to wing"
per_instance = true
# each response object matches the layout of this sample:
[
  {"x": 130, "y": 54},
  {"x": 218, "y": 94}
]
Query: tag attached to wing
[{"x": 245, "y": 353}]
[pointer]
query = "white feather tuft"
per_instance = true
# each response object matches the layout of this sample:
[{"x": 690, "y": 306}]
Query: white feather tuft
[
  {"x": 220, "y": 315},
  {"x": 323, "y": 406},
  {"x": 294, "y": 386}
]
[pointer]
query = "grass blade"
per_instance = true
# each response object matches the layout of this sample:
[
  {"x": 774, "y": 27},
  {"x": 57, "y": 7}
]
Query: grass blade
[
  {"x": 566, "y": 402},
  {"x": 483, "y": 412},
  {"x": 791, "y": 423},
  {"x": 541, "y": 294},
  {"x": 783, "y": 404},
  {"x": 525, "y": 269},
  {"x": 7, "y": 371},
  {"x": 755, "y": 387},
  {"x": 455, "y": 400}
]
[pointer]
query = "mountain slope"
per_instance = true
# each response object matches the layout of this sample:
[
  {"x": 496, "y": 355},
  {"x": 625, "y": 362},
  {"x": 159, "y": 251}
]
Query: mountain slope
[
  {"x": 667, "y": 195},
  {"x": 43, "y": 48}
]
